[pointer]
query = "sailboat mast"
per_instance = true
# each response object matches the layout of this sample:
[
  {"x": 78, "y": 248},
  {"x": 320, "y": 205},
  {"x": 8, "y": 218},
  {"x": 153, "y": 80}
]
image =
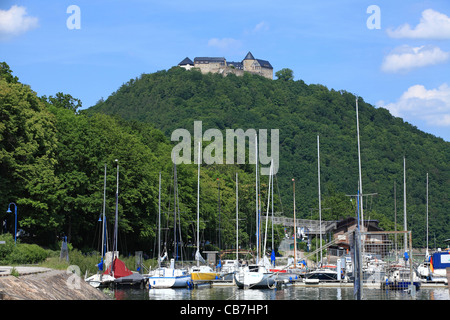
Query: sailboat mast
[
  {"x": 257, "y": 206},
  {"x": 295, "y": 229},
  {"x": 320, "y": 204},
  {"x": 116, "y": 223},
  {"x": 159, "y": 223},
  {"x": 104, "y": 208},
  {"x": 237, "y": 219},
  {"x": 427, "y": 216},
  {"x": 175, "y": 186},
  {"x": 198, "y": 204},
  {"x": 359, "y": 167},
  {"x": 273, "y": 246},
  {"x": 405, "y": 225}
]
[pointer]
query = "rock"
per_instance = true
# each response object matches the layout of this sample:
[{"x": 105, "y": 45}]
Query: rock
[{"x": 49, "y": 285}]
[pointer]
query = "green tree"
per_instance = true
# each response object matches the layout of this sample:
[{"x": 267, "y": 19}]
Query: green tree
[
  {"x": 27, "y": 157},
  {"x": 285, "y": 74}
]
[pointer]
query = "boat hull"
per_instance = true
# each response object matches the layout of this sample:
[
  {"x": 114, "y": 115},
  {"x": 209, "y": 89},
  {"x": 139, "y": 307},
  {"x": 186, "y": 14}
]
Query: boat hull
[
  {"x": 204, "y": 276},
  {"x": 100, "y": 280},
  {"x": 400, "y": 285},
  {"x": 254, "y": 280},
  {"x": 169, "y": 282}
]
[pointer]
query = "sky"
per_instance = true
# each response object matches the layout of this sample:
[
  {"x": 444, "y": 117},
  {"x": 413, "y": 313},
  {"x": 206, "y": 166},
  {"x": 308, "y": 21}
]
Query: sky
[{"x": 392, "y": 54}]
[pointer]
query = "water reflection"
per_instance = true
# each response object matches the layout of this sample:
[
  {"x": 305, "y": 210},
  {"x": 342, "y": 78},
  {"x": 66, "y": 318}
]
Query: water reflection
[{"x": 287, "y": 293}]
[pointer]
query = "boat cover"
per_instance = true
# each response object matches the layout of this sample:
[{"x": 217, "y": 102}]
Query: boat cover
[
  {"x": 440, "y": 260},
  {"x": 120, "y": 270}
]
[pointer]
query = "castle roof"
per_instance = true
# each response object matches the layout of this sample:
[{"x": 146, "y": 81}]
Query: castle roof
[
  {"x": 249, "y": 56},
  {"x": 208, "y": 59},
  {"x": 264, "y": 63},
  {"x": 186, "y": 61},
  {"x": 237, "y": 65}
]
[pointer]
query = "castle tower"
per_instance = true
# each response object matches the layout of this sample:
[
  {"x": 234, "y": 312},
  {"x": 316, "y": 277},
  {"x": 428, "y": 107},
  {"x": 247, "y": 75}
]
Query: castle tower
[
  {"x": 248, "y": 61},
  {"x": 258, "y": 66}
]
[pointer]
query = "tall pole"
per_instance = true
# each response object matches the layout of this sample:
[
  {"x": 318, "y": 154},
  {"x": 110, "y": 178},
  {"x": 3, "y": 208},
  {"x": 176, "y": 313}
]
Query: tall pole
[
  {"x": 237, "y": 219},
  {"x": 405, "y": 225},
  {"x": 427, "y": 216},
  {"x": 175, "y": 188},
  {"x": 320, "y": 204},
  {"x": 273, "y": 245},
  {"x": 15, "y": 220},
  {"x": 395, "y": 214},
  {"x": 159, "y": 223},
  {"x": 116, "y": 223},
  {"x": 104, "y": 218},
  {"x": 218, "y": 200},
  {"x": 359, "y": 167},
  {"x": 257, "y": 205},
  {"x": 198, "y": 203},
  {"x": 295, "y": 228}
]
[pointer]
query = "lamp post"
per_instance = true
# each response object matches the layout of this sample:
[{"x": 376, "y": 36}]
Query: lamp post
[{"x": 15, "y": 224}]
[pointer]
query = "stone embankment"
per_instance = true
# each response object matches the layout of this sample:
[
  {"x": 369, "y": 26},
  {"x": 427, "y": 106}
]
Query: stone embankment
[{"x": 45, "y": 284}]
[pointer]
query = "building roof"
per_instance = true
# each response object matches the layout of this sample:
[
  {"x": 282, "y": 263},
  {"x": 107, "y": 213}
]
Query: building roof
[
  {"x": 208, "y": 59},
  {"x": 264, "y": 63},
  {"x": 186, "y": 61},
  {"x": 249, "y": 56},
  {"x": 237, "y": 65}
]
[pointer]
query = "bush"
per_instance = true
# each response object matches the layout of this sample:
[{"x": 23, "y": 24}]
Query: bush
[
  {"x": 7, "y": 248},
  {"x": 27, "y": 254}
]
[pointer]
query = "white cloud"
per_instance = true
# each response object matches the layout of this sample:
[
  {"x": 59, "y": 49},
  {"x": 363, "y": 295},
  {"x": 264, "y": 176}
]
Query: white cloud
[
  {"x": 15, "y": 21},
  {"x": 419, "y": 104},
  {"x": 262, "y": 26},
  {"x": 433, "y": 25},
  {"x": 405, "y": 58},
  {"x": 224, "y": 43}
]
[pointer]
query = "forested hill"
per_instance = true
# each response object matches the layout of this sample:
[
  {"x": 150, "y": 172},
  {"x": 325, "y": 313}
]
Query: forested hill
[{"x": 175, "y": 98}]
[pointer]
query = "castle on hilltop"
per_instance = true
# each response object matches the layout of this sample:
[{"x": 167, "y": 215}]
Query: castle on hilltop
[{"x": 220, "y": 65}]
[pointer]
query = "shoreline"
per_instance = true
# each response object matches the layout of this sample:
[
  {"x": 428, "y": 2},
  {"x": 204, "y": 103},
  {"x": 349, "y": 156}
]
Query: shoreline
[{"x": 38, "y": 283}]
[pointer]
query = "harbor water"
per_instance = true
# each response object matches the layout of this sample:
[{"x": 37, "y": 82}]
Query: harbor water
[{"x": 232, "y": 293}]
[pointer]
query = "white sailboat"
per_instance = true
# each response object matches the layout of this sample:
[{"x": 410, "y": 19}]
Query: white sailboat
[
  {"x": 167, "y": 277},
  {"x": 201, "y": 273},
  {"x": 434, "y": 268},
  {"x": 99, "y": 279},
  {"x": 257, "y": 275}
]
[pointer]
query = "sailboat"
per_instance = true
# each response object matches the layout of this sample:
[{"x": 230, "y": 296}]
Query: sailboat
[
  {"x": 100, "y": 279},
  {"x": 434, "y": 268},
  {"x": 257, "y": 275},
  {"x": 201, "y": 273},
  {"x": 167, "y": 277}
]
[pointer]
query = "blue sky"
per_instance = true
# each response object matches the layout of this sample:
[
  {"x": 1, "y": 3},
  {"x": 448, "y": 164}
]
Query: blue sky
[{"x": 395, "y": 56}]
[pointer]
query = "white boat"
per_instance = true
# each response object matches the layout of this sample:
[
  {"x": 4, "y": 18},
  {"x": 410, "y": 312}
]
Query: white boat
[
  {"x": 399, "y": 278},
  {"x": 169, "y": 277},
  {"x": 100, "y": 280},
  {"x": 434, "y": 268},
  {"x": 324, "y": 274},
  {"x": 254, "y": 277}
]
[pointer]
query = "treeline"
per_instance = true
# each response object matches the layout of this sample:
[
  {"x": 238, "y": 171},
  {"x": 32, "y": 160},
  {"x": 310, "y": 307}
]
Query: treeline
[
  {"x": 175, "y": 98},
  {"x": 52, "y": 165}
]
